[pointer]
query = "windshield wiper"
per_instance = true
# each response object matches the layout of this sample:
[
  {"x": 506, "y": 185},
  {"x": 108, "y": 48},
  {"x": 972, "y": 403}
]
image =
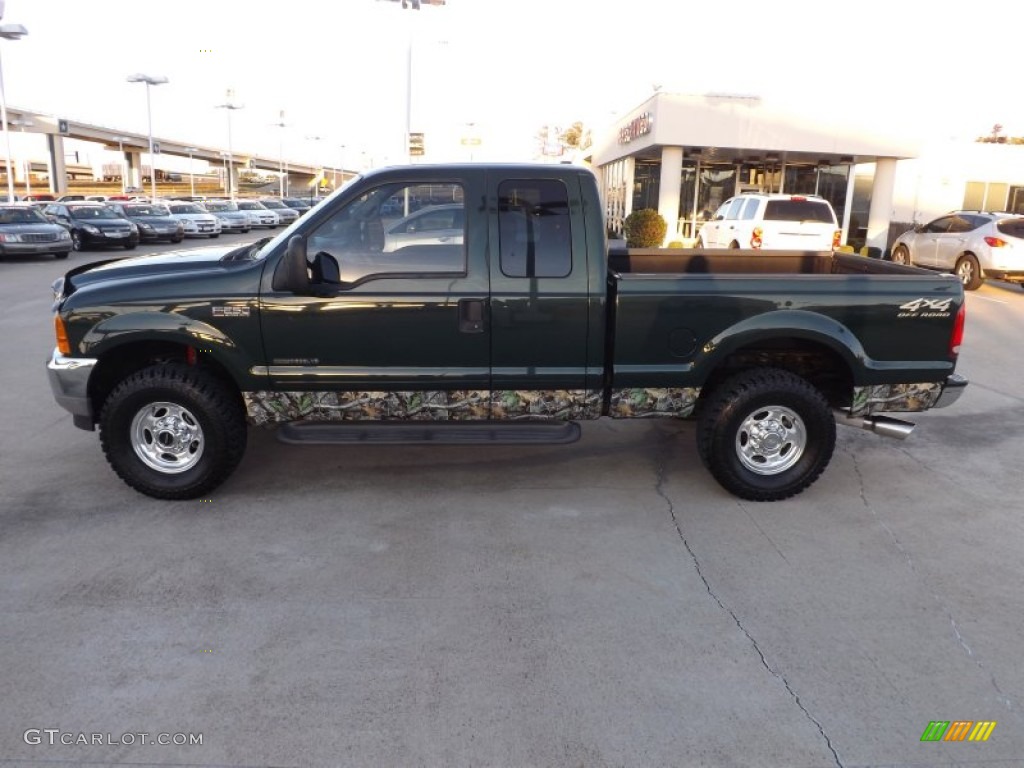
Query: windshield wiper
[{"x": 245, "y": 252}]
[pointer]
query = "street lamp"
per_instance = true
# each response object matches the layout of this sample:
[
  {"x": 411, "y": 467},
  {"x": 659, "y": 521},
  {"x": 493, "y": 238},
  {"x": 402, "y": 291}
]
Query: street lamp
[
  {"x": 23, "y": 123},
  {"x": 149, "y": 80},
  {"x": 8, "y": 32},
  {"x": 280, "y": 148},
  {"x": 191, "y": 177},
  {"x": 230, "y": 106}
]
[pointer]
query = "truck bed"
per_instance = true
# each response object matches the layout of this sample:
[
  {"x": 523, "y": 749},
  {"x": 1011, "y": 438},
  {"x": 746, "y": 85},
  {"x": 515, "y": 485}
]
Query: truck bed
[
  {"x": 677, "y": 315},
  {"x": 717, "y": 262}
]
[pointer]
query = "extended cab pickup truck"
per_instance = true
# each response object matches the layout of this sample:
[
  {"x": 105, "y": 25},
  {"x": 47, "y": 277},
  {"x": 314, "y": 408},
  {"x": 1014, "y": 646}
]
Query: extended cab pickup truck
[{"x": 480, "y": 303}]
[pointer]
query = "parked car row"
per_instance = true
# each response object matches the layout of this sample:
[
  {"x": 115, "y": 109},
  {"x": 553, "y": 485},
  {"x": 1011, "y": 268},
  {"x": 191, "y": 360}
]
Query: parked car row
[{"x": 58, "y": 227}]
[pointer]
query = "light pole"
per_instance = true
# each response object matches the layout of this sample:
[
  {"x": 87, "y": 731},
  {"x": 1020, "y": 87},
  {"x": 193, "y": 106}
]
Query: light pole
[
  {"x": 280, "y": 148},
  {"x": 22, "y": 123},
  {"x": 230, "y": 105},
  {"x": 149, "y": 80},
  {"x": 191, "y": 176},
  {"x": 8, "y": 32},
  {"x": 342, "y": 164}
]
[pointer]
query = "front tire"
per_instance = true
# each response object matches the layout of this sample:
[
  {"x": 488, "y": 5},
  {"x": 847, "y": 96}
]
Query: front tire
[
  {"x": 900, "y": 255},
  {"x": 77, "y": 244},
  {"x": 173, "y": 431},
  {"x": 969, "y": 272},
  {"x": 766, "y": 434}
]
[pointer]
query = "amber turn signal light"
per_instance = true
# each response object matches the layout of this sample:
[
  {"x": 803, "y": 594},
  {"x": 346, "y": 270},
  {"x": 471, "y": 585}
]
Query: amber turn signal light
[{"x": 63, "y": 345}]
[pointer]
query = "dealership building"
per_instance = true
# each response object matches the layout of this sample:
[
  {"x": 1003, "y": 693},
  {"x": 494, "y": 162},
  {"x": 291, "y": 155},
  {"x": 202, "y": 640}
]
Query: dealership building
[{"x": 684, "y": 155}]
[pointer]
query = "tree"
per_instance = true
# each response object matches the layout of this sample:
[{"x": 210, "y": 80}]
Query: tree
[
  {"x": 552, "y": 140},
  {"x": 645, "y": 228}
]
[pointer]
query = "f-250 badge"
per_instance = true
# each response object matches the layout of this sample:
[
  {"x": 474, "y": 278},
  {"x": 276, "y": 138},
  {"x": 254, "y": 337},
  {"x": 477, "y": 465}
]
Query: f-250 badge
[
  {"x": 926, "y": 308},
  {"x": 231, "y": 311}
]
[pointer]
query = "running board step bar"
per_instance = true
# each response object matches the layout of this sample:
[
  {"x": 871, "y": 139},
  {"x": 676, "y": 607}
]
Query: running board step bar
[
  {"x": 881, "y": 425},
  {"x": 445, "y": 433}
]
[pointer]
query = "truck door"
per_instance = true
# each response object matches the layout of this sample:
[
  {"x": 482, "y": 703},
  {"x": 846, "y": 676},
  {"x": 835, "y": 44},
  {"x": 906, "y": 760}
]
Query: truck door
[
  {"x": 540, "y": 299},
  {"x": 398, "y": 327}
]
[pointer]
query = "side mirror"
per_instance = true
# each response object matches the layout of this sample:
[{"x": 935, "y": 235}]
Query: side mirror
[{"x": 292, "y": 271}]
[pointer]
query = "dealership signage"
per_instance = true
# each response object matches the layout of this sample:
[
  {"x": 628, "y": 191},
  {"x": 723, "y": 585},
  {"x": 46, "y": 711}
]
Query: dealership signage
[{"x": 635, "y": 128}]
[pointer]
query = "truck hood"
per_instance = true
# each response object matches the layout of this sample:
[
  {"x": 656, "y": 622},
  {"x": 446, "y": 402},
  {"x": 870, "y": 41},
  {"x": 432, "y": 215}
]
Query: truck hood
[{"x": 171, "y": 262}]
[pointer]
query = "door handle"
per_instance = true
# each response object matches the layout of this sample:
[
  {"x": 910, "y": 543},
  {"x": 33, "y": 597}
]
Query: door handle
[{"x": 471, "y": 315}]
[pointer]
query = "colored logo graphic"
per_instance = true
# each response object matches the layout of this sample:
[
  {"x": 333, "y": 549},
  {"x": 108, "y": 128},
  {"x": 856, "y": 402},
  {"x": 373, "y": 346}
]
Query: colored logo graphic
[{"x": 958, "y": 730}]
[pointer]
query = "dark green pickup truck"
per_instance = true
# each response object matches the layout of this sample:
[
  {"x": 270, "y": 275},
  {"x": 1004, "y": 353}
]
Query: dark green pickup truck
[{"x": 480, "y": 303}]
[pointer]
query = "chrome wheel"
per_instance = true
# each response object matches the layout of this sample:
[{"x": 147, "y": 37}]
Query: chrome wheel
[
  {"x": 899, "y": 256},
  {"x": 771, "y": 440},
  {"x": 965, "y": 271},
  {"x": 167, "y": 437}
]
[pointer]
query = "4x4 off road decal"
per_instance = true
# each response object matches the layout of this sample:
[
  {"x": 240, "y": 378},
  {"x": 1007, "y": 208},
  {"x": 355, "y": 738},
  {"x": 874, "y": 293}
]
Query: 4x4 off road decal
[{"x": 926, "y": 308}]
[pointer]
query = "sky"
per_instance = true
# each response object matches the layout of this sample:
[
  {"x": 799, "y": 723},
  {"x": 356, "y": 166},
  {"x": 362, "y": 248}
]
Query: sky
[{"x": 499, "y": 70}]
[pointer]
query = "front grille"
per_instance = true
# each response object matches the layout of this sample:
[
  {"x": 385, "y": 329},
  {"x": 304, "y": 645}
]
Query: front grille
[{"x": 44, "y": 237}]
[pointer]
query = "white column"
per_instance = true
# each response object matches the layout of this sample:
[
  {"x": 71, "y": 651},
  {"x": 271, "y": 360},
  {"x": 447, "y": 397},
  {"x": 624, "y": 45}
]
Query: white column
[
  {"x": 881, "y": 203},
  {"x": 628, "y": 181},
  {"x": 55, "y": 161},
  {"x": 668, "y": 190},
  {"x": 134, "y": 157}
]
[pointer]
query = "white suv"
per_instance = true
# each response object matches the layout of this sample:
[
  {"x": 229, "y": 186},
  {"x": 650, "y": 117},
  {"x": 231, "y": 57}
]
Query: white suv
[{"x": 772, "y": 221}]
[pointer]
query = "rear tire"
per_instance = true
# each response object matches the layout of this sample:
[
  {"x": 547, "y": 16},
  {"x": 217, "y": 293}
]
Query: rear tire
[
  {"x": 969, "y": 272},
  {"x": 173, "y": 431},
  {"x": 766, "y": 434}
]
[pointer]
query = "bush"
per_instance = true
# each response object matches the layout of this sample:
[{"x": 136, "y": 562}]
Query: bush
[{"x": 645, "y": 229}]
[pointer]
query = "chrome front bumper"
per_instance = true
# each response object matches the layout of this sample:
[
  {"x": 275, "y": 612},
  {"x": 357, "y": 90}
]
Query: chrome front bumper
[
  {"x": 951, "y": 391},
  {"x": 69, "y": 380}
]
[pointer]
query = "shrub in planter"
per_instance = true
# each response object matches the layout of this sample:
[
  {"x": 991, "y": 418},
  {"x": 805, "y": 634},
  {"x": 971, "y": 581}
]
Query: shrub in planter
[{"x": 645, "y": 229}]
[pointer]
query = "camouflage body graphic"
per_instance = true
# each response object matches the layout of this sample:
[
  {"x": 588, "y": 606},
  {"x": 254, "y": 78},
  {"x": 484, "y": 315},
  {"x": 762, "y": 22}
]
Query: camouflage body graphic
[
  {"x": 894, "y": 397},
  {"x": 550, "y": 404},
  {"x": 266, "y": 407},
  {"x": 643, "y": 403}
]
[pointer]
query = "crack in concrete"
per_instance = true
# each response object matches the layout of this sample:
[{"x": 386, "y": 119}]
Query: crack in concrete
[
  {"x": 659, "y": 488},
  {"x": 961, "y": 641}
]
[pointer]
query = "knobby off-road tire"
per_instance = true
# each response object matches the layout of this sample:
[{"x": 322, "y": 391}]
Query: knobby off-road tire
[
  {"x": 173, "y": 431},
  {"x": 766, "y": 434}
]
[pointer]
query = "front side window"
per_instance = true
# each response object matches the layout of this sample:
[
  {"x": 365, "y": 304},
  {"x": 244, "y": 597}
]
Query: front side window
[
  {"x": 533, "y": 228},
  {"x": 939, "y": 226},
  {"x": 734, "y": 209},
  {"x": 379, "y": 234}
]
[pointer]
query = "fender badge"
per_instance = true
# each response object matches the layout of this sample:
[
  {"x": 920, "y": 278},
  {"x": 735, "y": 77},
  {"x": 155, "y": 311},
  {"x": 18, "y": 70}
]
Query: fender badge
[{"x": 230, "y": 311}]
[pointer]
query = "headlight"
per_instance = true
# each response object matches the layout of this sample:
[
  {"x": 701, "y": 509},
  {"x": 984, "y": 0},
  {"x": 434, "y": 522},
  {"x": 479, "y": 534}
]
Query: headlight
[
  {"x": 144, "y": 226},
  {"x": 10, "y": 238},
  {"x": 90, "y": 229},
  {"x": 64, "y": 234},
  {"x": 133, "y": 227}
]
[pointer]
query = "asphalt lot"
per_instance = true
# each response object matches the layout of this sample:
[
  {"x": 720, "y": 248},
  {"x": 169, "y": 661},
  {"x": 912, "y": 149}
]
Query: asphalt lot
[{"x": 598, "y": 604}]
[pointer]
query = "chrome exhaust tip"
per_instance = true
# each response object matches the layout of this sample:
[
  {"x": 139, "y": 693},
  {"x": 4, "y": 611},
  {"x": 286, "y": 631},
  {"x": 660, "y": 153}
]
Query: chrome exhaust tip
[{"x": 886, "y": 426}]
